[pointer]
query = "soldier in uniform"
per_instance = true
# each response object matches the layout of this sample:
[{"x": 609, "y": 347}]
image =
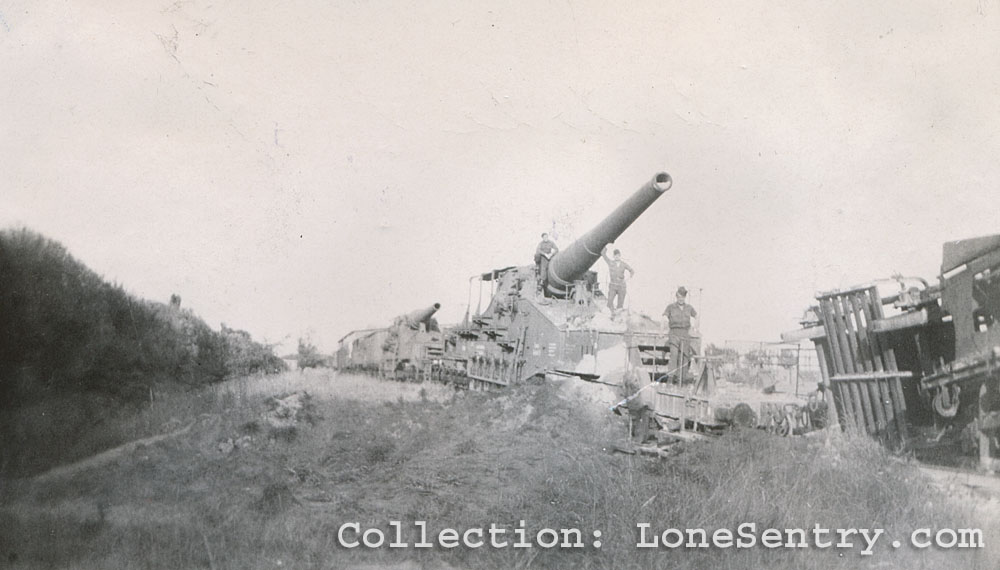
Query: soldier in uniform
[
  {"x": 639, "y": 406},
  {"x": 543, "y": 253},
  {"x": 616, "y": 269},
  {"x": 640, "y": 410},
  {"x": 679, "y": 315}
]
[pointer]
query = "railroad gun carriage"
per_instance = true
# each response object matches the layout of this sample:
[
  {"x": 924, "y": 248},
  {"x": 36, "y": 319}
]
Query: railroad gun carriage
[
  {"x": 556, "y": 323},
  {"x": 927, "y": 355},
  {"x": 551, "y": 320},
  {"x": 533, "y": 325},
  {"x": 409, "y": 349}
]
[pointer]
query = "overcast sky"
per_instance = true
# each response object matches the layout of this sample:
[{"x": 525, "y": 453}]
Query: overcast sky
[{"x": 312, "y": 167}]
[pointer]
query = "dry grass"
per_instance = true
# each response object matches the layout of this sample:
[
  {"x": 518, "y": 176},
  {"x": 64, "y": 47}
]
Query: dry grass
[
  {"x": 384, "y": 451},
  {"x": 70, "y": 428}
]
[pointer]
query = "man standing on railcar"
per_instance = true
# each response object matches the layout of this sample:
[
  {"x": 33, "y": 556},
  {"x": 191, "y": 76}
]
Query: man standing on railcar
[{"x": 679, "y": 315}]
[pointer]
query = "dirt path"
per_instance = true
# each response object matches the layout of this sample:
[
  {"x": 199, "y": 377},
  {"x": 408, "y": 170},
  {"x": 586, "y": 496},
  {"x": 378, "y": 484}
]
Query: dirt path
[
  {"x": 324, "y": 384},
  {"x": 106, "y": 456}
]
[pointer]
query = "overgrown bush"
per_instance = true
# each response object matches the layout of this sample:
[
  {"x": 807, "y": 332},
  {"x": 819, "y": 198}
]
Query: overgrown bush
[
  {"x": 308, "y": 356},
  {"x": 65, "y": 332}
]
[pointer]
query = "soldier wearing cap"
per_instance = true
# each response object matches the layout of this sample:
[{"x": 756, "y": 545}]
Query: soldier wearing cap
[
  {"x": 616, "y": 271},
  {"x": 545, "y": 251},
  {"x": 679, "y": 315}
]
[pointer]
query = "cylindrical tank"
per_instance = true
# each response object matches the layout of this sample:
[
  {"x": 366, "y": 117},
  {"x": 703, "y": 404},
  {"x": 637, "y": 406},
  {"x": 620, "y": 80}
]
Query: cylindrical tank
[{"x": 571, "y": 263}]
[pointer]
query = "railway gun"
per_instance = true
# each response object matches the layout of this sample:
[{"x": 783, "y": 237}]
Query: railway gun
[{"x": 552, "y": 321}]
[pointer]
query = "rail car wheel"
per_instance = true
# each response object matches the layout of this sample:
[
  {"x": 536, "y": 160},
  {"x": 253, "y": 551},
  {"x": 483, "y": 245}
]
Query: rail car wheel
[
  {"x": 802, "y": 418},
  {"x": 815, "y": 402},
  {"x": 945, "y": 402},
  {"x": 743, "y": 416},
  {"x": 783, "y": 425},
  {"x": 819, "y": 417}
]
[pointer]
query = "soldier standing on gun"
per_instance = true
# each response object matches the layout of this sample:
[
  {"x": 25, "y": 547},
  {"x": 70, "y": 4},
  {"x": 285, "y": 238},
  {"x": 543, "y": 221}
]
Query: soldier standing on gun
[
  {"x": 617, "y": 269},
  {"x": 543, "y": 253}
]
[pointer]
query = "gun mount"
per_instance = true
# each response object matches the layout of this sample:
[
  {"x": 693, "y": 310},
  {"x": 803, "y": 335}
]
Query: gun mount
[
  {"x": 529, "y": 329},
  {"x": 414, "y": 319},
  {"x": 550, "y": 322},
  {"x": 572, "y": 263},
  {"x": 409, "y": 349},
  {"x": 526, "y": 329}
]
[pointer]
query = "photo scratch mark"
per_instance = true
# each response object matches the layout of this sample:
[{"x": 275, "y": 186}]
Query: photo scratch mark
[
  {"x": 3, "y": 21},
  {"x": 169, "y": 44},
  {"x": 175, "y": 7}
]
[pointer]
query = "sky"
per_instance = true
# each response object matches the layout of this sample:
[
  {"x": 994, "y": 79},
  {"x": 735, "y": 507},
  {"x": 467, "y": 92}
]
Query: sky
[{"x": 306, "y": 168}]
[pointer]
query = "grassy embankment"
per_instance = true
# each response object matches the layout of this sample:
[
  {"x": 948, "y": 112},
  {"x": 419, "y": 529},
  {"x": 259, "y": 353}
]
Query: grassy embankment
[
  {"x": 79, "y": 356},
  {"x": 373, "y": 452}
]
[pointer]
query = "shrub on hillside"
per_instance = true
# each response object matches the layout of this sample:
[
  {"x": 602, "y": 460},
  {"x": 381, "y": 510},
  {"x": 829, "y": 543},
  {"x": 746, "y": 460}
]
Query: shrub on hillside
[
  {"x": 66, "y": 330},
  {"x": 308, "y": 356}
]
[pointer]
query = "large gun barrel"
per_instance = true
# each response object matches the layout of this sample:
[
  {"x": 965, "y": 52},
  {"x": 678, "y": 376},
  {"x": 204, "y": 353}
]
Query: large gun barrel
[
  {"x": 414, "y": 318},
  {"x": 573, "y": 262}
]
